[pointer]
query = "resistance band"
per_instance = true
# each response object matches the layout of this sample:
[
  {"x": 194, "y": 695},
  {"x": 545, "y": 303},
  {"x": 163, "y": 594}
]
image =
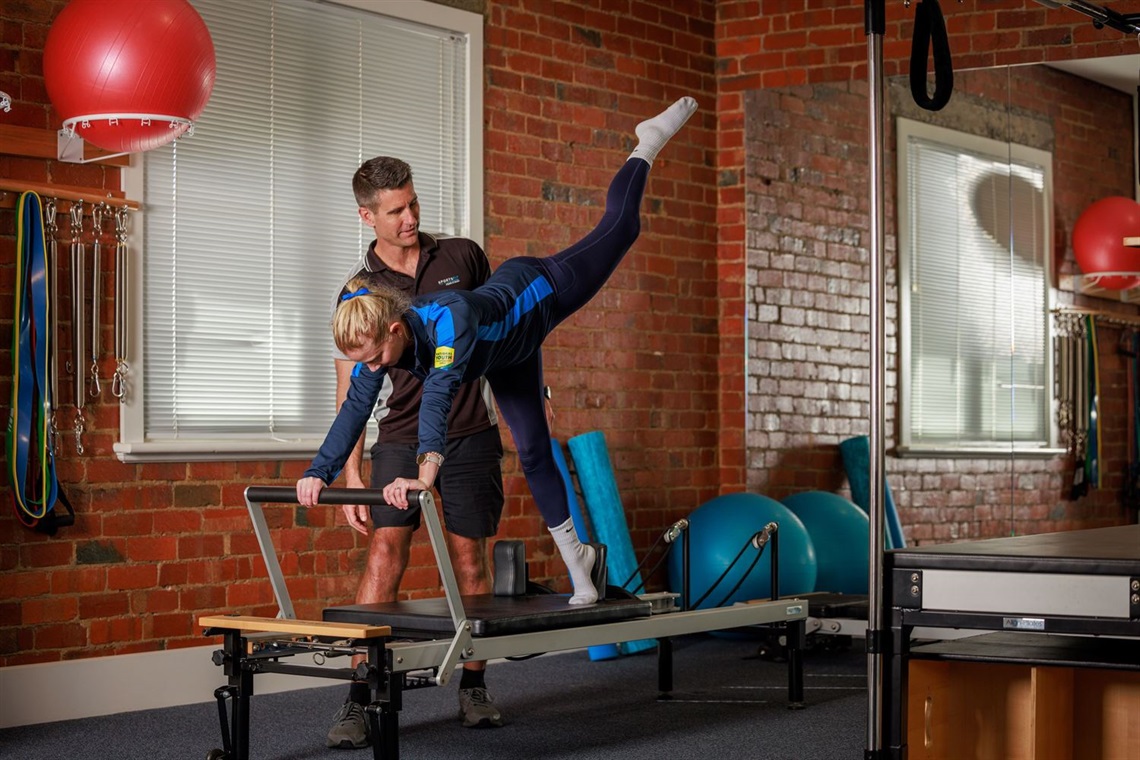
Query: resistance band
[
  {"x": 31, "y": 463},
  {"x": 930, "y": 35},
  {"x": 1095, "y": 444}
]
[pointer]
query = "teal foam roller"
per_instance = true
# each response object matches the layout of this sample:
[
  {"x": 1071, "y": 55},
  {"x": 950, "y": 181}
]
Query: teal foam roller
[{"x": 603, "y": 503}]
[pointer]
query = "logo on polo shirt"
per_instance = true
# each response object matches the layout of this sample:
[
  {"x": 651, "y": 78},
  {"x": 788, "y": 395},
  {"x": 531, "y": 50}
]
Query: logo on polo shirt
[
  {"x": 444, "y": 357},
  {"x": 452, "y": 280}
]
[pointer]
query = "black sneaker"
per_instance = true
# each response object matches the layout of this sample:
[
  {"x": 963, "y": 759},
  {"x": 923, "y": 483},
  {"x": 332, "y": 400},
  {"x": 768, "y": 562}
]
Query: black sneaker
[{"x": 350, "y": 728}]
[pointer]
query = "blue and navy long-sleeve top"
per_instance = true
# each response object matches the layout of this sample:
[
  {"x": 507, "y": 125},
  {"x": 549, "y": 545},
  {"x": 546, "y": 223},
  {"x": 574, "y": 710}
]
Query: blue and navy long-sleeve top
[{"x": 458, "y": 336}]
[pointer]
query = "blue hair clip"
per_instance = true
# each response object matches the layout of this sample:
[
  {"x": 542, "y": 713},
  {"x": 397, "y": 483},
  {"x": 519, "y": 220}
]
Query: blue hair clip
[{"x": 359, "y": 292}]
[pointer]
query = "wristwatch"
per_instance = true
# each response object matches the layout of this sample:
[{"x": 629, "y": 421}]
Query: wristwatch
[{"x": 430, "y": 456}]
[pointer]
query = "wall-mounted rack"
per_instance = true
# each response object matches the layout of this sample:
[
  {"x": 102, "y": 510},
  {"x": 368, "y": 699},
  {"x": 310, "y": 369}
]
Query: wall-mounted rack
[
  {"x": 1102, "y": 317},
  {"x": 10, "y": 190}
]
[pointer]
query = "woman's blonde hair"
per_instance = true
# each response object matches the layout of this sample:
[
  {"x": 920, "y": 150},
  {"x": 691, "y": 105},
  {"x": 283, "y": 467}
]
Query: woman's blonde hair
[{"x": 364, "y": 313}]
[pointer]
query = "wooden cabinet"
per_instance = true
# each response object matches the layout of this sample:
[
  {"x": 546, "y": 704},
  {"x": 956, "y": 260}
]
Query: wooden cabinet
[{"x": 958, "y": 709}]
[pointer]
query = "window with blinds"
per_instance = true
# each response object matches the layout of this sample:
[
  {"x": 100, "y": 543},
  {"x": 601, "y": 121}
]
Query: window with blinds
[
  {"x": 974, "y": 240},
  {"x": 250, "y": 225}
]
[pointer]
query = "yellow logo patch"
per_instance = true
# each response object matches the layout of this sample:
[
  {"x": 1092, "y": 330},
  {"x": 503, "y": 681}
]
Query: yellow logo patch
[{"x": 444, "y": 357}]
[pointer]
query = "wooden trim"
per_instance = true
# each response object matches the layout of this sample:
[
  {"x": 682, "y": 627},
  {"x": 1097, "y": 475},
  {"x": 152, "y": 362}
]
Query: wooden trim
[
  {"x": 60, "y": 192},
  {"x": 296, "y": 627},
  {"x": 43, "y": 143}
]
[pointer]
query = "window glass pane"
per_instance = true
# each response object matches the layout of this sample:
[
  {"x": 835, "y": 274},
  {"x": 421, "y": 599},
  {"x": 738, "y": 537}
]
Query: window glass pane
[
  {"x": 251, "y": 225},
  {"x": 977, "y": 297}
]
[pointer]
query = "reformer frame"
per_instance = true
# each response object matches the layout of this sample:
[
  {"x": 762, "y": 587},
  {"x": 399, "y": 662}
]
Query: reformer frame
[{"x": 257, "y": 645}]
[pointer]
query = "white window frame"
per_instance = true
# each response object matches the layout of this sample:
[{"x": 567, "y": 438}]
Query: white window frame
[
  {"x": 1002, "y": 151},
  {"x": 133, "y": 445}
]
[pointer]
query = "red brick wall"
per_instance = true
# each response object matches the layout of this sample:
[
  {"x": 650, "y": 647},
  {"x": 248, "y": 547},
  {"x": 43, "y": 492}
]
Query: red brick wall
[
  {"x": 657, "y": 362},
  {"x": 155, "y": 545},
  {"x": 566, "y": 84}
]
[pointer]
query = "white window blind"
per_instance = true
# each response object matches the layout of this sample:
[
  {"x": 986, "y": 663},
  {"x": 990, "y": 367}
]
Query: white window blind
[
  {"x": 974, "y": 236},
  {"x": 250, "y": 224}
]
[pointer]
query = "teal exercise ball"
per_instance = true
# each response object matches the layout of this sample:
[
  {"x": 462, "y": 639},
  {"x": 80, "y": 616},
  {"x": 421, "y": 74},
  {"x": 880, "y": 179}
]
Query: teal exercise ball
[
  {"x": 718, "y": 529},
  {"x": 840, "y": 533}
]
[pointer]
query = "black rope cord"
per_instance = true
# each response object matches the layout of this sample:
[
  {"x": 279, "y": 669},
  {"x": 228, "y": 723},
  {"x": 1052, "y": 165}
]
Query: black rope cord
[
  {"x": 724, "y": 575},
  {"x": 930, "y": 35}
]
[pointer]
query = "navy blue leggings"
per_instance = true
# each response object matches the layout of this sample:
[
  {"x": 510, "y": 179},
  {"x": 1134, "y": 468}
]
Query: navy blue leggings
[{"x": 576, "y": 274}]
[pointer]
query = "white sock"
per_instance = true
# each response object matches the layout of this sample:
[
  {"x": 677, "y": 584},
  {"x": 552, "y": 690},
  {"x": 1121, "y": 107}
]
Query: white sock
[
  {"x": 579, "y": 559},
  {"x": 654, "y": 133}
]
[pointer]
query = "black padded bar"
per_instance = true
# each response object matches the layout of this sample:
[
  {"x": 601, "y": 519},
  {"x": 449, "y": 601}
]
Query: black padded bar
[{"x": 288, "y": 495}]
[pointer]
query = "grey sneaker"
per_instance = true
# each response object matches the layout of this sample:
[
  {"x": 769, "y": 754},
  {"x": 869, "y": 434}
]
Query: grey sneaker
[
  {"x": 350, "y": 728},
  {"x": 477, "y": 709}
]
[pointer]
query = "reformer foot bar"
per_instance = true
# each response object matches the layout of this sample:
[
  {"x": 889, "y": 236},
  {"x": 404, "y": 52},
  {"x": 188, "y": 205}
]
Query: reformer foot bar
[{"x": 419, "y": 643}]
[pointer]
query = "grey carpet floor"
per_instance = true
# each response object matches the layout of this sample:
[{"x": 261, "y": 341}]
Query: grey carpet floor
[{"x": 727, "y": 704}]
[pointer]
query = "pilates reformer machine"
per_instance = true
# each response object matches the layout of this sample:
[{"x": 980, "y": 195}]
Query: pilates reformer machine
[{"x": 415, "y": 644}]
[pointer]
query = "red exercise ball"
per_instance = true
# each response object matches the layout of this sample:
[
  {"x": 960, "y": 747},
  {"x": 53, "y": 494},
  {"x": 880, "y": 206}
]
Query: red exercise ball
[
  {"x": 150, "y": 62},
  {"x": 1098, "y": 241}
]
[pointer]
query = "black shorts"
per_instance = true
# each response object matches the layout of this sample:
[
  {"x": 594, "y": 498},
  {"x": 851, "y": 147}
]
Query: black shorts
[{"x": 470, "y": 484}]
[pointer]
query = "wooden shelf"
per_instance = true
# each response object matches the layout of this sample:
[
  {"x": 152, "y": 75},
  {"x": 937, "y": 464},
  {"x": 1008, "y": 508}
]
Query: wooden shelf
[
  {"x": 43, "y": 143},
  {"x": 29, "y": 142},
  {"x": 1075, "y": 283}
]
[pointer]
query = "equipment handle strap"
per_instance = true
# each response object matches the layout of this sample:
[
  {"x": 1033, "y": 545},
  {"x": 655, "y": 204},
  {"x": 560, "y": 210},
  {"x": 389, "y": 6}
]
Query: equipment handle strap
[{"x": 930, "y": 33}]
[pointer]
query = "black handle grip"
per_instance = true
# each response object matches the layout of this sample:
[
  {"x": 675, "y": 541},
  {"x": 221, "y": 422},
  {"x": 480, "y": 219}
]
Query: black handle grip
[{"x": 288, "y": 495}]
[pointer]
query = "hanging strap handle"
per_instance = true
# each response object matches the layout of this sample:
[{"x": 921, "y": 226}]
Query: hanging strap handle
[{"x": 930, "y": 32}]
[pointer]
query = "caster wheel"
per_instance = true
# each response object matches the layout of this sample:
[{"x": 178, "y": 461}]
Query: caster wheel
[{"x": 217, "y": 754}]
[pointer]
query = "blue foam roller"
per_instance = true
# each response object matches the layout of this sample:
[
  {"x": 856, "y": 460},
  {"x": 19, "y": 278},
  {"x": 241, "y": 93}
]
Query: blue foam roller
[
  {"x": 599, "y": 489},
  {"x": 598, "y": 651},
  {"x": 856, "y": 453}
]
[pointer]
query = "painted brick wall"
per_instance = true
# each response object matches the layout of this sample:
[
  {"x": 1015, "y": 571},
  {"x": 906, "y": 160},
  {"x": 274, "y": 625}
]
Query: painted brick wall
[
  {"x": 776, "y": 43},
  {"x": 808, "y": 288},
  {"x": 657, "y": 362}
]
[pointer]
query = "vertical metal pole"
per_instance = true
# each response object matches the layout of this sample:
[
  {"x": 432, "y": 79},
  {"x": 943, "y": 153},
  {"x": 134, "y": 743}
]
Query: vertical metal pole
[
  {"x": 875, "y": 21},
  {"x": 269, "y": 554}
]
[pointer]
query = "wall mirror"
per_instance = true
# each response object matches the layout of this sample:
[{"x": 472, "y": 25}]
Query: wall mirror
[{"x": 981, "y": 200}]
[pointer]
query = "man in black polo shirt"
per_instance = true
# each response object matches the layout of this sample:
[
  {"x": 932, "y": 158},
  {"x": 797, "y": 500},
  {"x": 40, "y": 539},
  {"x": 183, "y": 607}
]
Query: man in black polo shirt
[{"x": 472, "y": 490}]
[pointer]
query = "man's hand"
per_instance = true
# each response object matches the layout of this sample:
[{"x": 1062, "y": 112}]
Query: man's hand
[
  {"x": 396, "y": 492},
  {"x": 309, "y": 490},
  {"x": 359, "y": 515}
]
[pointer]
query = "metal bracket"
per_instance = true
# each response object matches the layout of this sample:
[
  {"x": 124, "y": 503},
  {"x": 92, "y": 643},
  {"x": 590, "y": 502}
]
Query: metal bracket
[{"x": 71, "y": 148}]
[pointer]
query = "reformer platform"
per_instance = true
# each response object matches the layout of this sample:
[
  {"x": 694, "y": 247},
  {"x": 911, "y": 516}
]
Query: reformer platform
[
  {"x": 420, "y": 643},
  {"x": 488, "y": 615}
]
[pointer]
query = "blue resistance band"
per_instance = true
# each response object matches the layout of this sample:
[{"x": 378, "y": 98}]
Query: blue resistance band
[{"x": 31, "y": 463}]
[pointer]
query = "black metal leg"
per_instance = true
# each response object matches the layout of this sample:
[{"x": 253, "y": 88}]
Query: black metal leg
[
  {"x": 388, "y": 700},
  {"x": 796, "y": 640},
  {"x": 895, "y": 681},
  {"x": 222, "y": 693},
  {"x": 385, "y": 723},
  {"x": 235, "y": 736},
  {"x": 241, "y": 715},
  {"x": 664, "y": 668}
]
